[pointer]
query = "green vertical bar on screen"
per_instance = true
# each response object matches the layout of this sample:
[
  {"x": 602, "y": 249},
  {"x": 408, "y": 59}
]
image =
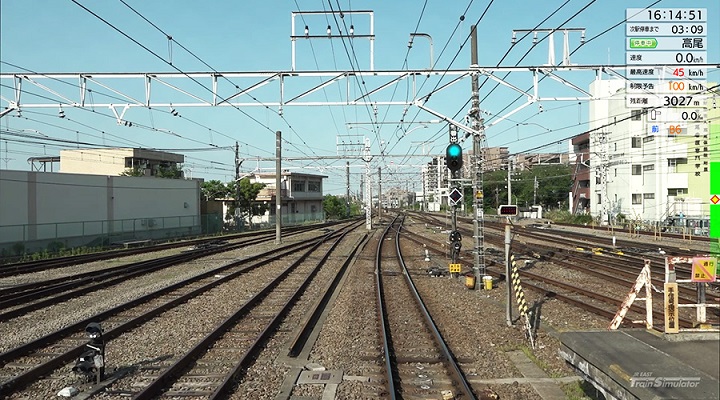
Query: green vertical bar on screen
[{"x": 715, "y": 208}]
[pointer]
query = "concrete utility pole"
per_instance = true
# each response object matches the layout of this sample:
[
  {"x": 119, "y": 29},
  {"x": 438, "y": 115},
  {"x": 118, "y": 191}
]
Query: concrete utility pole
[
  {"x": 278, "y": 190},
  {"x": 508, "y": 282},
  {"x": 379, "y": 194},
  {"x": 237, "y": 186},
  {"x": 347, "y": 188},
  {"x": 509, "y": 181},
  {"x": 424, "y": 176},
  {"x": 477, "y": 123}
]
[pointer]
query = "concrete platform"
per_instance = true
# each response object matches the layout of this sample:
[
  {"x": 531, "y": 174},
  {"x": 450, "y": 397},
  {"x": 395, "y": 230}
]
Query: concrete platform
[{"x": 638, "y": 364}]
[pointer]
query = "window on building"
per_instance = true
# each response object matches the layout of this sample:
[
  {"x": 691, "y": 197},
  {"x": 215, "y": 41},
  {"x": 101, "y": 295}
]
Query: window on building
[
  {"x": 637, "y": 169},
  {"x": 314, "y": 186},
  {"x": 615, "y": 172},
  {"x": 677, "y": 192},
  {"x": 635, "y": 115},
  {"x": 673, "y": 162},
  {"x": 648, "y": 167},
  {"x": 636, "y": 142},
  {"x": 648, "y": 196},
  {"x": 298, "y": 186},
  {"x": 648, "y": 139},
  {"x": 615, "y": 144},
  {"x": 599, "y": 198},
  {"x": 637, "y": 198}
]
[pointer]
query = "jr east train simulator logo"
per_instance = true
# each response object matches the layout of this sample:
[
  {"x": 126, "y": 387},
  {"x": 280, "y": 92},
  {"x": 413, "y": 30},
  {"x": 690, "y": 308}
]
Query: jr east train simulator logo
[{"x": 646, "y": 380}]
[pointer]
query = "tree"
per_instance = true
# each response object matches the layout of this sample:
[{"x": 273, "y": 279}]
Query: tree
[
  {"x": 172, "y": 171},
  {"x": 334, "y": 207},
  {"x": 214, "y": 189},
  {"x": 168, "y": 171},
  {"x": 134, "y": 171},
  {"x": 246, "y": 201}
]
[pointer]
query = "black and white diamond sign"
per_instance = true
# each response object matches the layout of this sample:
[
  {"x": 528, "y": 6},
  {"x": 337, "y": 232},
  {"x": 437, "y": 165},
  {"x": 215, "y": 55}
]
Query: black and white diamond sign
[{"x": 455, "y": 196}]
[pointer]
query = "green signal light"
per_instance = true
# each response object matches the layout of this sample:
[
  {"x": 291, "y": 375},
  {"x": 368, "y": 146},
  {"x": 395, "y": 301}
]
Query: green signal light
[
  {"x": 453, "y": 157},
  {"x": 454, "y": 150}
]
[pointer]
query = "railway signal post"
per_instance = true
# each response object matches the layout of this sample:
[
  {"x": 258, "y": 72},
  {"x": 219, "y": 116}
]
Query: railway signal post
[{"x": 454, "y": 161}]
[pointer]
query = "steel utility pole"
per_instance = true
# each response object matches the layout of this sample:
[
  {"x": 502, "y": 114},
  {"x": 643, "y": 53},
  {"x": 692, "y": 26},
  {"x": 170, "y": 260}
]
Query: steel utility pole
[
  {"x": 602, "y": 143},
  {"x": 367, "y": 188},
  {"x": 478, "y": 124},
  {"x": 278, "y": 190}
]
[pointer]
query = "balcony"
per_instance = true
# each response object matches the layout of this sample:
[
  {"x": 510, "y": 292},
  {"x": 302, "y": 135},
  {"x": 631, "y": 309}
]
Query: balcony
[{"x": 269, "y": 194}]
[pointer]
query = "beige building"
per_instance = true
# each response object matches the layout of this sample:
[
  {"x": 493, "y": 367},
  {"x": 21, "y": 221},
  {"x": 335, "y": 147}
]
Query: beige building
[
  {"x": 495, "y": 159},
  {"x": 525, "y": 161},
  {"x": 116, "y": 161}
]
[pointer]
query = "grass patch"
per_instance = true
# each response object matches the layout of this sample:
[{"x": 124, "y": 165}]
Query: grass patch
[{"x": 581, "y": 390}]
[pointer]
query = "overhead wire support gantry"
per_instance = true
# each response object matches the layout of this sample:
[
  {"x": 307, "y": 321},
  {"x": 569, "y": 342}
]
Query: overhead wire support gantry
[{"x": 16, "y": 95}]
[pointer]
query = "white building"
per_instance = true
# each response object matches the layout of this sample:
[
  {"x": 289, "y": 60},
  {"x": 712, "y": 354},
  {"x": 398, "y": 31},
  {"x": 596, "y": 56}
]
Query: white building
[
  {"x": 38, "y": 209},
  {"x": 638, "y": 168},
  {"x": 301, "y": 197}
]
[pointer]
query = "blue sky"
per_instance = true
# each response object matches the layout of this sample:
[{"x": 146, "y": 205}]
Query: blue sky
[{"x": 49, "y": 36}]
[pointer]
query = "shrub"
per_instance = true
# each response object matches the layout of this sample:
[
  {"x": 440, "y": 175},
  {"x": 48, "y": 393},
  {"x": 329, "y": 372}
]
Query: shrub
[{"x": 18, "y": 249}]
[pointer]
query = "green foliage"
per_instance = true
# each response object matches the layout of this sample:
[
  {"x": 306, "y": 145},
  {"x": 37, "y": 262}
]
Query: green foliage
[
  {"x": 55, "y": 247},
  {"x": 135, "y": 171},
  {"x": 334, "y": 207},
  {"x": 248, "y": 193},
  {"x": 163, "y": 171},
  {"x": 18, "y": 249},
  {"x": 554, "y": 183},
  {"x": 567, "y": 217},
  {"x": 214, "y": 189},
  {"x": 173, "y": 171}
]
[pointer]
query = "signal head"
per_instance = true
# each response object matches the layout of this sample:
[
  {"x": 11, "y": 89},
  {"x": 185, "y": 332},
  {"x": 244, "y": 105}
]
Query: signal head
[{"x": 453, "y": 155}]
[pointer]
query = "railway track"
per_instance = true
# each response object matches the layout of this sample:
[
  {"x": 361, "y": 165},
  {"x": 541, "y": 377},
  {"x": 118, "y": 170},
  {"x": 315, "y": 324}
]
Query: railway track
[
  {"x": 596, "y": 303},
  {"x": 27, "y": 267},
  {"x": 418, "y": 362},
  {"x": 26, "y": 364},
  {"x": 21, "y": 299}
]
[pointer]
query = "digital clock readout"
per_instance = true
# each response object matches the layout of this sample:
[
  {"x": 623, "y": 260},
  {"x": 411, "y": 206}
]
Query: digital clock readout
[{"x": 666, "y": 14}]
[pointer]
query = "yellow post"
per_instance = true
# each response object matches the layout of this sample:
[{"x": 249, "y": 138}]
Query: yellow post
[
  {"x": 470, "y": 281},
  {"x": 487, "y": 282}
]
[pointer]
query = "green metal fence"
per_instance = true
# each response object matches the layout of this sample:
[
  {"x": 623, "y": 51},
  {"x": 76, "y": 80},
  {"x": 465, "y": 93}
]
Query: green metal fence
[{"x": 37, "y": 237}]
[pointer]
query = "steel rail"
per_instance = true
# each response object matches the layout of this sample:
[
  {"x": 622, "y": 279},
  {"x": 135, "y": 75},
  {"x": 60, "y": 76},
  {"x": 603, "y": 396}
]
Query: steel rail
[
  {"x": 382, "y": 316},
  {"x": 458, "y": 378},
  {"x": 22, "y": 380},
  {"x": 175, "y": 371},
  {"x": 298, "y": 343},
  {"x": 66, "y": 261}
]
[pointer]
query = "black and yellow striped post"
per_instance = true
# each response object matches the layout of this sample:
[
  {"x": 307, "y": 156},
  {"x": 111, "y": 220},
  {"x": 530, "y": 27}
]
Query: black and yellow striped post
[
  {"x": 517, "y": 288},
  {"x": 520, "y": 299}
]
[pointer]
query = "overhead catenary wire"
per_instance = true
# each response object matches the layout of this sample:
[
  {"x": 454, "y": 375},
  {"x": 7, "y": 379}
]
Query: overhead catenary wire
[{"x": 171, "y": 39}]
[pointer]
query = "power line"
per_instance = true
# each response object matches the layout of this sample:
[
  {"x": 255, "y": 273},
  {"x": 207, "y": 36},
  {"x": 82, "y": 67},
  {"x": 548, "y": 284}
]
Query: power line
[{"x": 165, "y": 61}]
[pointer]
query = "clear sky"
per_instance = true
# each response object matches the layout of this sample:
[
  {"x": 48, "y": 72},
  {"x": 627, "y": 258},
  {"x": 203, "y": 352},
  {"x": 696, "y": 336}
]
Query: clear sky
[{"x": 50, "y": 36}]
